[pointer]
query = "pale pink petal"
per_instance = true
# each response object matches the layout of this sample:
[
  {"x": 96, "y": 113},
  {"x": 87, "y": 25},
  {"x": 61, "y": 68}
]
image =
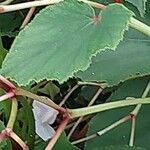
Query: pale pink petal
[
  {"x": 44, "y": 113},
  {"x": 44, "y": 130}
]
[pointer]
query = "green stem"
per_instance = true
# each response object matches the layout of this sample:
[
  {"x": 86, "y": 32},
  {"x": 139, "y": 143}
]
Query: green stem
[
  {"x": 13, "y": 113},
  {"x": 42, "y": 99},
  {"x": 102, "y": 107},
  {"x": 136, "y": 24}
]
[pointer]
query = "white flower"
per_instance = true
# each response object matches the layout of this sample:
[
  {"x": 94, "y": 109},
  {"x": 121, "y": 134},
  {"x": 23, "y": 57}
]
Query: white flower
[{"x": 44, "y": 116}]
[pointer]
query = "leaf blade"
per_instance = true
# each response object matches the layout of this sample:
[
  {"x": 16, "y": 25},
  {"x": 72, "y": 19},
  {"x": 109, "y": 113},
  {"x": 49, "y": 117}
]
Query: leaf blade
[{"x": 69, "y": 28}]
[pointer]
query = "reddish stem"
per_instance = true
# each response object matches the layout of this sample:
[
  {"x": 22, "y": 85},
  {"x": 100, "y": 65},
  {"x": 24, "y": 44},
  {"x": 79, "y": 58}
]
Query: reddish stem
[
  {"x": 58, "y": 133},
  {"x": 7, "y": 95},
  {"x": 8, "y": 132},
  {"x": 117, "y": 1},
  {"x": 7, "y": 82}
]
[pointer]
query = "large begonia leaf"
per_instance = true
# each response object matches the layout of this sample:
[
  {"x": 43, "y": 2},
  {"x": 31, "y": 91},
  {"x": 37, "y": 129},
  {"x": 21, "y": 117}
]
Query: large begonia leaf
[
  {"x": 62, "y": 39},
  {"x": 130, "y": 59}
]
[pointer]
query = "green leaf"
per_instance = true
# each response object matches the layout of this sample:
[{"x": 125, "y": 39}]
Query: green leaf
[
  {"x": 64, "y": 38},
  {"x": 123, "y": 147},
  {"x": 140, "y": 4},
  {"x": 131, "y": 59},
  {"x": 121, "y": 134},
  {"x": 9, "y": 22},
  {"x": 50, "y": 89}
]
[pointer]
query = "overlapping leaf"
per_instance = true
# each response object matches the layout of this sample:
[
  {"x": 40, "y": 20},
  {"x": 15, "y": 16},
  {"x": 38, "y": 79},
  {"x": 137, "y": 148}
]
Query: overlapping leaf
[
  {"x": 140, "y": 4},
  {"x": 121, "y": 134},
  {"x": 129, "y": 60},
  {"x": 9, "y": 22},
  {"x": 62, "y": 39}
]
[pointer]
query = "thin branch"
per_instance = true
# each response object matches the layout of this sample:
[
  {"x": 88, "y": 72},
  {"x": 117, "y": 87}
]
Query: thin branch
[
  {"x": 132, "y": 135},
  {"x": 74, "y": 127},
  {"x": 13, "y": 113},
  {"x": 8, "y": 8},
  {"x": 135, "y": 112},
  {"x": 72, "y": 123},
  {"x": 42, "y": 99},
  {"x": 106, "y": 106},
  {"x": 68, "y": 95},
  {"x": 6, "y": 2},
  {"x": 103, "y": 131},
  {"x": 8, "y": 132},
  {"x": 96, "y": 96},
  {"x": 28, "y": 17},
  {"x": 93, "y": 84},
  {"x": 57, "y": 135},
  {"x": 84, "y": 139},
  {"x": 80, "y": 119},
  {"x": 115, "y": 124},
  {"x": 145, "y": 93},
  {"x": 16, "y": 138},
  {"x": 7, "y": 82},
  {"x": 138, "y": 25},
  {"x": 94, "y": 4},
  {"x": 7, "y": 96}
]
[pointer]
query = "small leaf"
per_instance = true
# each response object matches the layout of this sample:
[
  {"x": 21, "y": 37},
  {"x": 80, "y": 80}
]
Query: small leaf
[
  {"x": 9, "y": 22},
  {"x": 50, "y": 89},
  {"x": 64, "y": 38},
  {"x": 140, "y": 4}
]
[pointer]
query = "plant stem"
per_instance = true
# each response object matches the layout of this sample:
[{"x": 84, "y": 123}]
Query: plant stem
[
  {"x": 68, "y": 95},
  {"x": 44, "y": 100},
  {"x": 16, "y": 138},
  {"x": 93, "y": 84},
  {"x": 102, "y": 107},
  {"x": 80, "y": 119},
  {"x": 132, "y": 116},
  {"x": 132, "y": 131},
  {"x": 6, "y": 2},
  {"x": 8, "y": 8},
  {"x": 94, "y": 4},
  {"x": 84, "y": 139},
  {"x": 135, "y": 112},
  {"x": 13, "y": 113},
  {"x": 136, "y": 24},
  {"x": 58, "y": 133},
  {"x": 7, "y": 82},
  {"x": 28, "y": 17},
  {"x": 6, "y": 96},
  {"x": 103, "y": 131}
]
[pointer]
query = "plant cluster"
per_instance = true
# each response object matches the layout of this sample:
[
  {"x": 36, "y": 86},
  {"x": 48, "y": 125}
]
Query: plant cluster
[{"x": 69, "y": 69}]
